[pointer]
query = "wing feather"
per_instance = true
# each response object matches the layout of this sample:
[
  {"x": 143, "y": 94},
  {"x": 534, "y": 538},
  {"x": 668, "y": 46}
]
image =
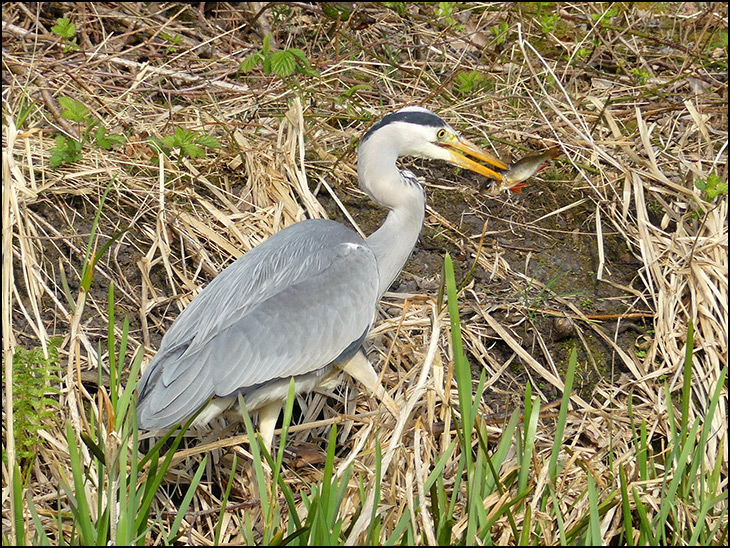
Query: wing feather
[{"x": 288, "y": 307}]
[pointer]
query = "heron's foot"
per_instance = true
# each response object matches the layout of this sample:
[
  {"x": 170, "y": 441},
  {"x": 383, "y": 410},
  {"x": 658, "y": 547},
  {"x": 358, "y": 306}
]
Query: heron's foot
[
  {"x": 268, "y": 415},
  {"x": 359, "y": 368}
]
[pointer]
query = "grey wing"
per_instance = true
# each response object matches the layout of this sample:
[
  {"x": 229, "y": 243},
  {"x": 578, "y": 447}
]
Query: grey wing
[{"x": 290, "y": 306}]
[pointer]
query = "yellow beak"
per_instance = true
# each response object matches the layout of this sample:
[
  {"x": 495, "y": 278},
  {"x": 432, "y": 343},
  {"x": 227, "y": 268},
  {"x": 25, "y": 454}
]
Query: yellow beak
[{"x": 470, "y": 149}]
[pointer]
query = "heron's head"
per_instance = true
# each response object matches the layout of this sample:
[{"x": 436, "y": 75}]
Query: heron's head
[{"x": 416, "y": 131}]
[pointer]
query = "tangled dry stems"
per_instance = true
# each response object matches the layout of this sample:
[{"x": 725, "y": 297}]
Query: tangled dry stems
[{"x": 290, "y": 143}]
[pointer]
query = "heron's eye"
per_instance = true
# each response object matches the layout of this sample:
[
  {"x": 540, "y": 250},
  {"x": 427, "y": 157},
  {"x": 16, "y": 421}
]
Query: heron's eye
[{"x": 441, "y": 134}]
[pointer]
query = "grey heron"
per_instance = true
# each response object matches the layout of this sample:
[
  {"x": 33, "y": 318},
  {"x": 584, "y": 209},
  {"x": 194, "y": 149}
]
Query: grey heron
[{"x": 301, "y": 303}]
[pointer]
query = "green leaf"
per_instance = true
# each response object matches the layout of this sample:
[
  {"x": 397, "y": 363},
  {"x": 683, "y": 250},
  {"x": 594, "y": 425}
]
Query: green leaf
[
  {"x": 107, "y": 141},
  {"x": 398, "y": 7},
  {"x": 714, "y": 187},
  {"x": 208, "y": 141},
  {"x": 302, "y": 63},
  {"x": 71, "y": 45},
  {"x": 100, "y": 138},
  {"x": 194, "y": 151},
  {"x": 57, "y": 158},
  {"x": 300, "y": 56},
  {"x": 307, "y": 71},
  {"x": 184, "y": 136},
  {"x": 250, "y": 62},
  {"x": 336, "y": 10},
  {"x": 176, "y": 40},
  {"x": 116, "y": 139},
  {"x": 445, "y": 9},
  {"x": 181, "y": 138},
  {"x": 64, "y": 28},
  {"x": 73, "y": 109},
  {"x": 67, "y": 150},
  {"x": 266, "y": 64},
  {"x": 348, "y": 94},
  {"x": 469, "y": 82},
  {"x": 158, "y": 146}
]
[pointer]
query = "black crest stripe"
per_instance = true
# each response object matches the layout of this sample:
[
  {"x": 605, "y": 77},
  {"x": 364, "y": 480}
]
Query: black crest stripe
[{"x": 410, "y": 117}]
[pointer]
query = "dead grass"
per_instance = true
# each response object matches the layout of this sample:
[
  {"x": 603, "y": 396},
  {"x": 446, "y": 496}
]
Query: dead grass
[{"x": 638, "y": 107}]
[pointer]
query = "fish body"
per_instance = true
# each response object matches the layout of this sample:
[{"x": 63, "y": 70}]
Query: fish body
[{"x": 525, "y": 168}]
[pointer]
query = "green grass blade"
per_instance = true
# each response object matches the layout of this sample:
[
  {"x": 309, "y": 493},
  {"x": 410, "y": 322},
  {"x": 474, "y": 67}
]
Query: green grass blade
[
  {"x": 38, "y": 524},
  {"x": 111, "y": 347},
  {"x": 163, "y": 441},
  {"x": 125, "y": 400},
  {"x": 324, "y": 502},
  {"x": 642, "y": 453},
  {"x": 256, "y": 456},
  {"x": 505, "y": 443},
  {"x": 626, "y": 507},
  {"x": 183, "y": 507},
  {"x": 524, "y": 539},
  {"x": 96, "y": 448},
  {"x": 594, "y": 523},
  {"x": 562, "y": 416},
  {"x": 701, "y": 525},
  {"x": 462, "y": 372},
  {"x": 288, "y": 410},
  {"x": 400, "y": 531},
  {"x": 707, "y": 428},
  {"x": 86, "y": 273},
  {"x": 687, "y": 385},
  {"x": 373, "y": 529},
  {"x": 126, "y": 500},
  {"x": 278, "y": 479},
  {"x": 668, "y": 498},
  {"x": 154, "y": 479},
  {"x": 558, "y": 517},
  {"x": 529, "y": 444},
  {"x": 477, "y": 512},
  {"x": 672, "y": 429},
  {"x": 439, "y": 466},
  {"x": 646, "y": 531},
  {"x": 70, "y": 301},
  {"x": 18, "y": 506},
  {"x": 81, "y": 509}
]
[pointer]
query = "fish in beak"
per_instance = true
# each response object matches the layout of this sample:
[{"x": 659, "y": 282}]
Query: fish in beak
[
  {"x": 523, "y": 169},
  {"x": 509, "y": 177}
]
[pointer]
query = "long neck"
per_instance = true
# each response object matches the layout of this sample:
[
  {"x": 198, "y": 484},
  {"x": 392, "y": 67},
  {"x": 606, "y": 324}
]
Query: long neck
[{"x": 393, "y": 242}]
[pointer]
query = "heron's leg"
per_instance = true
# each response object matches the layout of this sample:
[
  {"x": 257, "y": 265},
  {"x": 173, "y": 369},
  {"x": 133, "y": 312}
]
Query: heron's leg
[
  {"x": 268, "y": 416},
  {"x": 360, "y": 369}
]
